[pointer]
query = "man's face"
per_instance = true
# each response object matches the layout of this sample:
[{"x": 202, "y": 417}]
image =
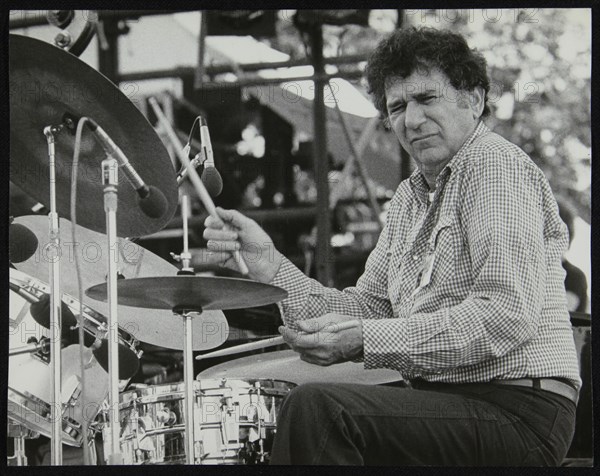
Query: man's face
[{"x": 430, "y": 117}]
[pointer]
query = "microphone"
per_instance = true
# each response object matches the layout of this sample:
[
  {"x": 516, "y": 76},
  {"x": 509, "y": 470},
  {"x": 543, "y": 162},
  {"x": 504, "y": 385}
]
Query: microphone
[
  {"x": 211, "y": 178},
  {"x": 22, "y": 243},
  {"x": 150, "y": 199}
]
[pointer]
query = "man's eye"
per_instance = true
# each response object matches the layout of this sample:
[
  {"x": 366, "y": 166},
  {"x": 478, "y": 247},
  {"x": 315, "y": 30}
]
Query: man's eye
[
  {"x": 429, "y": 99},
  {"x": 397, "y": 108}
]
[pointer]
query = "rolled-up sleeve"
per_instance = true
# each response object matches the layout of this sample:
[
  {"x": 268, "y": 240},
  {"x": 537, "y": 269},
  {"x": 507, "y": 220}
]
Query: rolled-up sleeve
[{"x": 307, "y": 298}]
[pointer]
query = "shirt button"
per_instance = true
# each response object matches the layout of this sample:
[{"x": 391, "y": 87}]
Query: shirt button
[{"x": 415, "y": 257}]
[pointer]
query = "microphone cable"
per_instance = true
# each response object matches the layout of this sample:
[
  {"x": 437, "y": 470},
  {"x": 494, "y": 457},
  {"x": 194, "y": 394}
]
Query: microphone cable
[
  {"x": 188, "y": 145},
  {"x": 194, "y": 127},
  {"x": 74, "y": 171}
]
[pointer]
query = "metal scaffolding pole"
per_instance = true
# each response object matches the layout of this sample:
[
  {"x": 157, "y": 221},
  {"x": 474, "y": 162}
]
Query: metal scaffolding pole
[{"x": 323, "y": 257}]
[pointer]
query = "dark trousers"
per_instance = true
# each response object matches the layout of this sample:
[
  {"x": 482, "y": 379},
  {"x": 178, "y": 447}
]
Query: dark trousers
[{"x": 429, "y": 424}]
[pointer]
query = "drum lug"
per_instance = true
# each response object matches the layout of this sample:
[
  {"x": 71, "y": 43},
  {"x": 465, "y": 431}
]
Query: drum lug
[
  {"x": 43, "y": 354},
  {"x": 273, "y": 413},
  {"x": 102, "y": 331},
  {"x": 144, "y": 425},
  {"x": 166, "y": 417},
  {"x": 73, "y": 383}
]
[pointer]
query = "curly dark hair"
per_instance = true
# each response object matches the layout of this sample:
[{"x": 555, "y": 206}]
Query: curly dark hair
[{"x": 407, "y": 49}]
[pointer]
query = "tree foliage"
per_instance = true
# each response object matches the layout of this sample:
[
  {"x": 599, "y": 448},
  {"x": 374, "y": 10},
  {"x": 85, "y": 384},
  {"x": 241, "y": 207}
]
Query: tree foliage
[{"x": 539, "y": 63}]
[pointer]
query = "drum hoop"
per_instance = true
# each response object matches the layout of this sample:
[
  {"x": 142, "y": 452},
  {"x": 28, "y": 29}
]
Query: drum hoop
[
  {"x": 30, "y": 404},
  {"x": 132, "y": 405},
  {"x": 222, "y": 380},
  {"x": 169, "y": 392},
  {"x": 31, "y": 289}
]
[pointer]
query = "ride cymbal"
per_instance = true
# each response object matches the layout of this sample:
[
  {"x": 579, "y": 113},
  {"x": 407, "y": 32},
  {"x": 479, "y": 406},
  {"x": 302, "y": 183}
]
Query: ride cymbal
[{"x": 147, "y": 325}]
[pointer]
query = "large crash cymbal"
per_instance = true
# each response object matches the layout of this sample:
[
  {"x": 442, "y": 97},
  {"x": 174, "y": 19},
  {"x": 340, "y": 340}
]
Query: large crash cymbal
[
  {"x": 157, "y": 327},
  {"x": 191, "y": 293},
  {"x": 47, "y": 83}
]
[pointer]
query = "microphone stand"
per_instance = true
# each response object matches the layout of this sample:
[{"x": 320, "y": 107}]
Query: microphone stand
[
  {"x": 55, "y": 305},
  {"x": 195, "y": 178},
  {"x": 195, "y": 162},
  {"x": 42, "y": 347},
  {"x": 110, "y": 180},
  {"x": 185, "y": 257}
]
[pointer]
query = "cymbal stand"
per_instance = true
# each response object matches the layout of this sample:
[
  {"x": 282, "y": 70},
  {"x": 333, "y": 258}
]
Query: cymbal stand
[
  {"x": 110, "y": 180},
  {"x": 188, "y": 358},
  {"x": 55, "y": 304},
  {"x": 188, "y": 379}
]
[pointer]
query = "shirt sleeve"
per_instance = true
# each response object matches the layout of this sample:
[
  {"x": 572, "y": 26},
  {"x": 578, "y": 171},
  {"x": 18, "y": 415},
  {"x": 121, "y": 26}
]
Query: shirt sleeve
[
  {"x": 307, "y": 298},
  {"x": 501, "y": 218}
]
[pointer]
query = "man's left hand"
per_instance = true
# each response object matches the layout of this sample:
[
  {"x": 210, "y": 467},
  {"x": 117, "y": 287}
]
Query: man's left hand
[{"x": 321, "y": 342}]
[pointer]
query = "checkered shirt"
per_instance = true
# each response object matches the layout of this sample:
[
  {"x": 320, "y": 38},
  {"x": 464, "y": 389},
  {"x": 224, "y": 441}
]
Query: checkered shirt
[{"x": 494, "y": 306}]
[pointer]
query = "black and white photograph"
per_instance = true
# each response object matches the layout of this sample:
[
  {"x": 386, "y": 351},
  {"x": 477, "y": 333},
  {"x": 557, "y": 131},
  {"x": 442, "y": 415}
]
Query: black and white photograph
[{"x": 300, "y": 237}]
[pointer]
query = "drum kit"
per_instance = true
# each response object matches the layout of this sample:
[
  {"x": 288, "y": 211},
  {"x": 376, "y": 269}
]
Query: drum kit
[{"x": 70, "y": 361}]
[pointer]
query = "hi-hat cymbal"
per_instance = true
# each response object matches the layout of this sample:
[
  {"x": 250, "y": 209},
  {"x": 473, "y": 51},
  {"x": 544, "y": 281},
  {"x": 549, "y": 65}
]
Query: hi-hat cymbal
[
  {"x": 286, "y": 365},
  {"x": 191, "y": 293},
  {"x": 153, "y": 326},
  {"x": 46, "y": 84}
]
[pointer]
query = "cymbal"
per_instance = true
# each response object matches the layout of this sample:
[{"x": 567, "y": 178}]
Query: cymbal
[
  {"x": 153, "y": 326},
  {"x": 45, "y": 84},
  {"x": 192, "y": 293},
  {"x": 286, "y": 365}
]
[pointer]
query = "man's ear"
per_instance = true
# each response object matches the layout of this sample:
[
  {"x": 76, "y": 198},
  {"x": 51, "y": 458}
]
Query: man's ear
[{"x": 477, "y": 101}]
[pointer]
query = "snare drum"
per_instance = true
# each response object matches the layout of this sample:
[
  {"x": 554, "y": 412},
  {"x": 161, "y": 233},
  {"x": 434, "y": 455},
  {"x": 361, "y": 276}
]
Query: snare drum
[
  {"x": 30, "y": 374},
  {"x": 235, "y": 422}
]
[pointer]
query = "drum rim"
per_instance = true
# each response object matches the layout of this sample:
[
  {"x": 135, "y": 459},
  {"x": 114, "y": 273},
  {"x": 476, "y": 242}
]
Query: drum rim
[
  {"x": 164, "y": 392},
  {"x": 27, "y": 403},
  {"x": 24, "y": 287},
  {"x": 92, "y": 318}
]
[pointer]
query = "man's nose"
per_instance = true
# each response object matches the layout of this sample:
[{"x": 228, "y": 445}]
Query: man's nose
[{"x": 413, "y": 116}]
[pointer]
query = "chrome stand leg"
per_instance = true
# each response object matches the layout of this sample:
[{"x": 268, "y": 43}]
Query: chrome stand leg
[{"x": 188, "y": 368}]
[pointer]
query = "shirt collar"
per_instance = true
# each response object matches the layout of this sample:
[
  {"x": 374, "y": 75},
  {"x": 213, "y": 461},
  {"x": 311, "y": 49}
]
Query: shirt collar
[{"x": 417, "y": 180}]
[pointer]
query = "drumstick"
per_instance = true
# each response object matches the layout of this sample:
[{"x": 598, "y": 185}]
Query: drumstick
[
  {"x": 238, "y": 349},
  {"x": 195, "y": 178}
]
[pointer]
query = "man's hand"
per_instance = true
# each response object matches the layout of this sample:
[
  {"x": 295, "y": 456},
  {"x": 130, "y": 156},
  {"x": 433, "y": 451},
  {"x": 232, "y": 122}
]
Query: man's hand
[
  {"x": 244, "y": 234},
  {"x": 321, "y": 342}
]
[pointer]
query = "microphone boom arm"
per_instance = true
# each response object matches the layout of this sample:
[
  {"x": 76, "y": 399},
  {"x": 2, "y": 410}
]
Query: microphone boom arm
[{"x": 199, "y": 186}]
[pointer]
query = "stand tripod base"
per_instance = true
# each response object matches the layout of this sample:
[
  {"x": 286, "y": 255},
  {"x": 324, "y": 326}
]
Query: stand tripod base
[{"x": 19, "y": 434}]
